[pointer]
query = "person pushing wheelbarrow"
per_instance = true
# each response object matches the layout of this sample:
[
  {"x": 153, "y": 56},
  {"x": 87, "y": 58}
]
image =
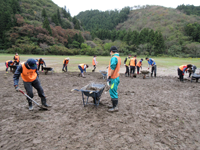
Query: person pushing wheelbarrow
[
  {"x": 113, "y": 78},
  {"x": 30, "y": 77}
]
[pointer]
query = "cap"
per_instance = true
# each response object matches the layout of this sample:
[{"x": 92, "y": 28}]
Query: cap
[
  {"x": 113, "y": 49},
  {"x": 67, "y": 58},
  {"x": 32, "y": 63}
]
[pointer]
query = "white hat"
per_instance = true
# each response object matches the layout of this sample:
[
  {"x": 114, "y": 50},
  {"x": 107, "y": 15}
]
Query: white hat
[{"x": 67, "y": 58}]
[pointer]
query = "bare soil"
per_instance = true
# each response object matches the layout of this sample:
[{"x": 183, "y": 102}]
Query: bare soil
[{"x": 154, "y": 113}]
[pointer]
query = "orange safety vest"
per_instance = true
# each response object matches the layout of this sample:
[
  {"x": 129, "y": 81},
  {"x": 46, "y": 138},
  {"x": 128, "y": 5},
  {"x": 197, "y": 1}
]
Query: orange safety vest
[
  {"x": 65, "y": 62},
  {"x": 82, "y": 66},
  {"x": 28, "y": 75},
  {"x": 10, "y": 63},
  {"x": 132, "y": 62},
  {"x": 116, "y": 71},
  {"x": 41, "y": 61},
  {"x": 139, "y": 64},
  {"x": 17, "y": 58},
  {"x": 182, "y": 67},
  {"x": 93, "y": 62}
]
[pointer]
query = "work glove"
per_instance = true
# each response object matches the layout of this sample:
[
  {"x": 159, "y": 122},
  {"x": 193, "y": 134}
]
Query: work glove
[
  {"x": 109, "y": 81},
  {"x": 183, "y": 74},
  {"x": 148, "y": 68},
  {"x": 152, "y": 65},
  {"x": 17, "y": 88}
]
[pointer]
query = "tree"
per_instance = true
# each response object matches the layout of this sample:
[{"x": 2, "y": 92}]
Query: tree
[
  {"x": 46, "y": 25},
  {"x": 44, "y": 13}
]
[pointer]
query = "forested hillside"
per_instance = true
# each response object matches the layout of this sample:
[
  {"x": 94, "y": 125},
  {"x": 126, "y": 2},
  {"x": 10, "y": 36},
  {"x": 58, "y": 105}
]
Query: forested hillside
[
  {"x": 38, "y": 26},
  {"x": 41, "y": 27},
  {"x": 189, "y": 9},
  {"x": 95, "y": 19}
]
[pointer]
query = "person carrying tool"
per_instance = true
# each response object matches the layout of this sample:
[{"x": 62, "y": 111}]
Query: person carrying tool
[
  {"x": 152, "y": 63},
  {"x": 181, "y": 70},
  {"x": 82, "y": 67},
  {"x": 113, "y": 78},
  {"x": 8, "y": 63},
  {"x": 16, "y": 59},
  {"x": 127, "y": 64},
  {"x": 133, "y": 63},
  {"x": 94, "y": 63},
  {"x": 193, "y": 69},
  {"x": 65, "y": 62},
  {"x": 41, "y": 63},
  {"x": 30, "y": 77},
  {"x": 139, "y": 65}
]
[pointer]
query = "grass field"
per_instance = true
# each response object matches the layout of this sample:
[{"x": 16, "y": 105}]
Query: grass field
[{"x": 164, "y": 63}]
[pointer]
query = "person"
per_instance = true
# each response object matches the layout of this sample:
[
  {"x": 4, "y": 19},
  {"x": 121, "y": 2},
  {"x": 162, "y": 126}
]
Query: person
[
  {"x": 65, "y": 62},
  {"x": 82, "y": 67},
  {"x": 182, "y": 69},
  {"x": 139, "y": 65},
  {"x": 94, "y": 63},
  {"x": 8, "y": 63},
  {"x": 127, "y": 64},
  {"x": 133, "y": 63},
  {"x": 152, "y": 63},
  {"x": 113, "y": 78},
  {"x": 16, "y": 59},
  {"x": 41, "y": 63},
  {"x": 193, "y": 70},
  {"x": 30, "y": 77}
]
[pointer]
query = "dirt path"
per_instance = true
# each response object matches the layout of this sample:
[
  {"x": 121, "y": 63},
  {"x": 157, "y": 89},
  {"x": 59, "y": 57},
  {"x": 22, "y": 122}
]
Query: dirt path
[{"x": 154, "y": 113}]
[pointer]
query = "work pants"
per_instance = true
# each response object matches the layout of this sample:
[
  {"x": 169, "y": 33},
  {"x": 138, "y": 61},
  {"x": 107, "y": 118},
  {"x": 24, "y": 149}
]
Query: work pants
[
  {"x": 39, "y": 66},
  {"x": 29, "y": 89},
  {"x": 180, "y": 74},
  {"x": 153, "y": 69},
  {"x": 132, "y": 69},
  {"x": 113, "y": 88},
  {"x": 127, "y": 70}
]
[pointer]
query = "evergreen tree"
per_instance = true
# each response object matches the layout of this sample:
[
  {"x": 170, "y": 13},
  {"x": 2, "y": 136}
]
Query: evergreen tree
[
  {"x": 59, "y": 18},
  {"x": 80, "y": 38},
  {"x": 46, "y": 25},
  {"x": 44, "y": 13}
]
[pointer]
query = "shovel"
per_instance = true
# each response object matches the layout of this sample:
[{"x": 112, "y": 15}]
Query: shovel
[{"x": 40, "y": 106}]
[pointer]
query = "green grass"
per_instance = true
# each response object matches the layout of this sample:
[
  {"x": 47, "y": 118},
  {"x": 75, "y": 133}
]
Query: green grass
[{"x": 103, "y": 61}]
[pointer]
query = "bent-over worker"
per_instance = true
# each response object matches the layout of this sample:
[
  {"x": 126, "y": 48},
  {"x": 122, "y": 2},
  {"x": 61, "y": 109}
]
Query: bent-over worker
[
  {"x": 8, "y": 63},
  {"x": 30, "y": 77},
  {"x": 152, "y": 63},
  {"x": 41, "y": 63},
  {"x": 94, "y": 63},
  {"x": 82, "y": 67},
  {"x": 182, "y": 69},
  {"x": 65, "y": 62}
]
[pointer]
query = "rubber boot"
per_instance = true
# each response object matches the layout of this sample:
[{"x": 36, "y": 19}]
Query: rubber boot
[
  {"x": 111, "y": 106},
  {"x": 30, "y": 106},
  {"x": 151, "y": 74},
  {"x": 154, "y": 74},
  {"x": 115, "y": 108},
  {"x": 43, "y": 99}
]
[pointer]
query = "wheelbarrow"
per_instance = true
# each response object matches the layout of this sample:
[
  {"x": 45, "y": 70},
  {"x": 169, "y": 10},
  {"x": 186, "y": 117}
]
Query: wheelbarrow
[
  {"x": 13, "y": 68},
  {"x": 46, "y": 69},
  {"x": 104, "y": 73},
  {"x": 195, "y": 76},
  {"x": 144, "y": 72},
  {"x": 93, "y": 90}
]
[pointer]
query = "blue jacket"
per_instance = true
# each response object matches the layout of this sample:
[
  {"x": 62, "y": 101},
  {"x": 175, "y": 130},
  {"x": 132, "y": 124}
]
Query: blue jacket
[{"x": 151, "y": 62}]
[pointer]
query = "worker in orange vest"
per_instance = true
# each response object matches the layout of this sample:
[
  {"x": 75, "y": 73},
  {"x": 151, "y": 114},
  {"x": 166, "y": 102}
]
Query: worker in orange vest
[
  {"x": 82, "y": 67},
  {"x": 139, "y": 65},
  {"x": 65, "y": 62},
  {"x": 133, "y": 63},
  {"x": 8, "y": 63},
  {"x": 30, "y": 77},
  {"x": 181, "y": 70},
  {"x": 41, "y": 63},
  {"x": 94, "y": 63},
  {"x": 113, "y": 78},
  {"x": 16, "y": 59}
]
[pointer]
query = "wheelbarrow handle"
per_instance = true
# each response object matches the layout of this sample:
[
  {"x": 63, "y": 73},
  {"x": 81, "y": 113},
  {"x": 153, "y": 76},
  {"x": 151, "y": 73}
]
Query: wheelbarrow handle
[{"x": 81, "y": 91}]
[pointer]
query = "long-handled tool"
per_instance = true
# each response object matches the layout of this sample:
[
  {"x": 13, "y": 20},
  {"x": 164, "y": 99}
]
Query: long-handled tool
[{"x": 40, "y": 106}]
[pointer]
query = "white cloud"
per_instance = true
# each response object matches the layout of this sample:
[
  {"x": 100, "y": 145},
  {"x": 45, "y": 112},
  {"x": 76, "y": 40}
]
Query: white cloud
[{"x": 76, "y": 6}]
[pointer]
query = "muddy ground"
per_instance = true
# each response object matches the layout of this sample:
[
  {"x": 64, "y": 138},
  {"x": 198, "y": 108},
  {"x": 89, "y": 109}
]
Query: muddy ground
[{"x": 154, "y": 113}]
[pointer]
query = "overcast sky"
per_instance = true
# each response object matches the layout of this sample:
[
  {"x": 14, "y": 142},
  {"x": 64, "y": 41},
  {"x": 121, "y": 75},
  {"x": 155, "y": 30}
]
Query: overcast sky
[{"x": 76, "y": 6}]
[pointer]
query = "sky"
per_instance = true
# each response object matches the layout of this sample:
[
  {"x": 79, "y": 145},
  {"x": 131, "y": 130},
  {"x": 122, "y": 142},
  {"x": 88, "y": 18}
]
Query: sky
[{"x": 76, "y": 6}]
